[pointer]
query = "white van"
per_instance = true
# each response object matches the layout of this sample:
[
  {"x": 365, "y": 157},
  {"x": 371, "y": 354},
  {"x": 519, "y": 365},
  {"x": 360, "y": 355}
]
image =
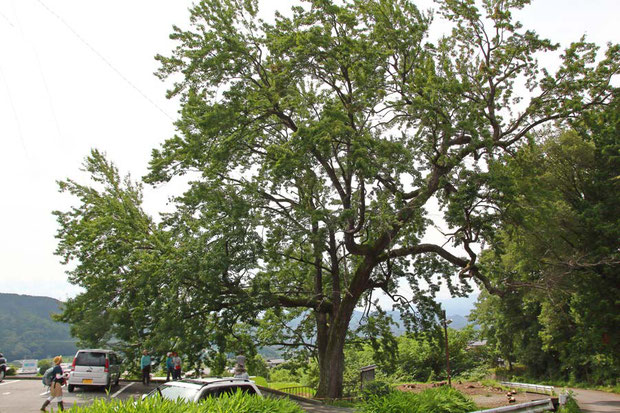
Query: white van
[{"x": 94, "y": 367}]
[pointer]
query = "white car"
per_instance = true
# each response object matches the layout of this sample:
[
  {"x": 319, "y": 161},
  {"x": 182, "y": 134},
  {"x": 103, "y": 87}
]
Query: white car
[
  {"x": 94, "y": 367},
  {"x": 194, "y": 390}
]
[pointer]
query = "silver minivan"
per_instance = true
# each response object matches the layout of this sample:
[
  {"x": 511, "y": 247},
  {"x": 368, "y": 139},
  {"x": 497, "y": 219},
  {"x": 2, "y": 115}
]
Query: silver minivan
[{"x": 94, "y": 367}]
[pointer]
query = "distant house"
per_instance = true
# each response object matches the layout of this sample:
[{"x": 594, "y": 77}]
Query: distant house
[
  {"x": 476, "y": 344},
  {"x": 271, "y": 363}
]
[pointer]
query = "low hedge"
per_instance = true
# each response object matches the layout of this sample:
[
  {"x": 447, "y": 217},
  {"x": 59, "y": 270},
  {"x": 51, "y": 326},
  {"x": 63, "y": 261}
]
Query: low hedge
[
  {"x": 237, "y": 403},
  {"x": 439, "y": 400}
]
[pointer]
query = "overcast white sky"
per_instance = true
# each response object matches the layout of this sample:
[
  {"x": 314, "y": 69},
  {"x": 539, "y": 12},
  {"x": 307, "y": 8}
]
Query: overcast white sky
[{"x": 77, "y": 74}]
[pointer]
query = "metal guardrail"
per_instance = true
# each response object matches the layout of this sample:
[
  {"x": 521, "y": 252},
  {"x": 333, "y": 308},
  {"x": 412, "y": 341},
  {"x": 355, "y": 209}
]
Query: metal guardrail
[
  {"x": 532, "y": 388},
  {"x": 529, "y": 407}
]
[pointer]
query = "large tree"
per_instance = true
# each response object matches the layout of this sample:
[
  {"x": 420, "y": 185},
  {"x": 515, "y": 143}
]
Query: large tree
[
  {"x": 318, "y": 142},
  {"x": 560, "y": 244}
]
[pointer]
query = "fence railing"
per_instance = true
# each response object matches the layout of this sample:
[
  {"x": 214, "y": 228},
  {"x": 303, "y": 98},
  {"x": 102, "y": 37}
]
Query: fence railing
[
  {"x": 535, "y": 406},
  {"x": 301, "y": 391},
  {"x": 533, "y": 388}
]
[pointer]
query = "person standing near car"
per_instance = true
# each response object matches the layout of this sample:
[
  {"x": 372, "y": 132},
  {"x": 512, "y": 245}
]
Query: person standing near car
[
  {"x": 3, "y": 367},
  {"x": 58, "y": 379},
  {"x": 169, "y": 366},
  {"x": 240, "y": 371},
  {"x": 145, "y": 365},
  {"x": 176, "y": 361}
]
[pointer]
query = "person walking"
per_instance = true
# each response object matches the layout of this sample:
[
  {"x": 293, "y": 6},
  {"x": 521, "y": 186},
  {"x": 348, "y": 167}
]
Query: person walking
[
  {"x": 176, "y": 362},
  {"x": 145, "y": 365},
  {"x": 169, "y": 366},
  {"x": 58, "y": 379}
]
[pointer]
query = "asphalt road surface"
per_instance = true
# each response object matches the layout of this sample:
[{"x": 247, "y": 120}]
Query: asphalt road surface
[
  {"x": 27, "y": 396},
  {"x": 24, "y": 396},
  {"x": 592, "y": 401}
]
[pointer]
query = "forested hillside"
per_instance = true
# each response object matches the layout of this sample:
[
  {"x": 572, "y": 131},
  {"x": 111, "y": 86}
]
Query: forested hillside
[{"x": 28, "y": 330}]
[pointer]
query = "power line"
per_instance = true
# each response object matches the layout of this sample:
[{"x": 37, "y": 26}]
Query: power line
[
  {"x": 19, "y": 126},
  {"x": 39, "y": 66},
  {"x": 76, "y": 34}
]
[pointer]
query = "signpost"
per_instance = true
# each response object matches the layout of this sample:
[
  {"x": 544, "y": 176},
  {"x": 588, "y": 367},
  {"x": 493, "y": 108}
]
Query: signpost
[{"x": 367, "y": 374}]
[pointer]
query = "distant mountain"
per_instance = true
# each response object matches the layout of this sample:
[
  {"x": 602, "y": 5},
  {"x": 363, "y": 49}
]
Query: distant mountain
[
  {"x": 457, "y": 310},
  {"x": 27, "y": 330}
]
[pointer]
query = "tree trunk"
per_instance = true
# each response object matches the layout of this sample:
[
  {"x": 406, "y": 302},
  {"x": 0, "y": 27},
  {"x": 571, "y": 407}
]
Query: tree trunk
[{"x": 331, "y": 361}]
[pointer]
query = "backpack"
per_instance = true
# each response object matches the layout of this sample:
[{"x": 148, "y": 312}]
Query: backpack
[{"x": 48, "y": 376}]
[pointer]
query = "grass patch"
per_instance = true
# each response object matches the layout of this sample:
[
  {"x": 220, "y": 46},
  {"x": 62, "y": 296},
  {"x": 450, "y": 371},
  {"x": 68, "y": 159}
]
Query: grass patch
[
  {"x": 437, "y": 400},
  {"x": 260, "y": 381}
]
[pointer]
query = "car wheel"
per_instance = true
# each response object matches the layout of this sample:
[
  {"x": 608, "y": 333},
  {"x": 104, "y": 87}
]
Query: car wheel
[
  {"x": 118, "y": 378},
  {"x": 108, "y": 386},
  {"x": 70, "y": 388}
]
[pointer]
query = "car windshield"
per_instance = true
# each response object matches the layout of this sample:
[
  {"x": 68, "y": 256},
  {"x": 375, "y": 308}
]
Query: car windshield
[
  {"x": 229, "y": 389},
  {"x": 90, "y": 359},
  {"x": 176, "y": 392}
]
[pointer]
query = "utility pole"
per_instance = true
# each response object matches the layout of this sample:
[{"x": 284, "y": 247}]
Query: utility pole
[{"x": 445, "y": 330}]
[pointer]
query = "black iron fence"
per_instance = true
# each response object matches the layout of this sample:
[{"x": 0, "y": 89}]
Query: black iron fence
[{"x": 301, "y": 391}]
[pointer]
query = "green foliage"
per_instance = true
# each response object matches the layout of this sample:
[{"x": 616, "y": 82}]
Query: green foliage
[
  {"x": 439, "y": 400},
  {"x": 282, "y": 375},
  {"x": 11, "y": 371},
  {"x": 309, "y": 374},
  {"x": 260, "y": 381},
  {"x": 560, "y": 236},
  {"x": 237, "y": 403},
  {"x": 421, "y": 357},
  {"x": 376, "y": 388},
  {"x": 571, "y": 406},
  {"x": 44, "y": 365},
  {"x": 318, "y": 142},
  {"x": 257, "y": 366}
]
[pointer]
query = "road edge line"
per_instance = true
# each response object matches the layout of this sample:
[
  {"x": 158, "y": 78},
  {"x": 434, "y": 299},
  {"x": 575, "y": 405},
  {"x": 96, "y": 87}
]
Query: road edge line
[{"x": 123, "y": 389}]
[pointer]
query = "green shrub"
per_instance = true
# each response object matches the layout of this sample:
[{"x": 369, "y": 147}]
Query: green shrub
[
  {"x": 43, "y": 365},
  {"x": 237, "y": 403},
  {"x": 11, "y": 371},
  {"x": 260, "y": 381},
  {"x": 439, "y": 400},
  {"x": 376, "y": 388},
  {"x": 281, "y": 374},
  {"x": 570, "y": 407}
]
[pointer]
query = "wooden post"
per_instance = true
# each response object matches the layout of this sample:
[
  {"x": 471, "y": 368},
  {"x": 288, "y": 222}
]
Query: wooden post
[{"x": 445, "y": 330}]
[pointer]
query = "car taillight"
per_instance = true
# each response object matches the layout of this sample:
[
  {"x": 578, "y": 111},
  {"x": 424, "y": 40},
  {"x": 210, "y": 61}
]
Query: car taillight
[
  {"x": 73, "y": 365},
  {"x": 107, "y": 365}
]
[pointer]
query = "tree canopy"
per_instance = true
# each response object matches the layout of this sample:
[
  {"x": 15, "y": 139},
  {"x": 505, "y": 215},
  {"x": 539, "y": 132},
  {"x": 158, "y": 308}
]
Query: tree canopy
[
  {"x": 317, "y": 144},
  {"x": 560, "y": 245}
]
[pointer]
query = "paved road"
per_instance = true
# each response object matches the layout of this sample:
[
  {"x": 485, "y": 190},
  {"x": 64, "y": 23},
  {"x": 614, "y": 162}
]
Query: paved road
[
  {"x": 592, "y": 401},
  {"x": 25, "y": 396}
]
